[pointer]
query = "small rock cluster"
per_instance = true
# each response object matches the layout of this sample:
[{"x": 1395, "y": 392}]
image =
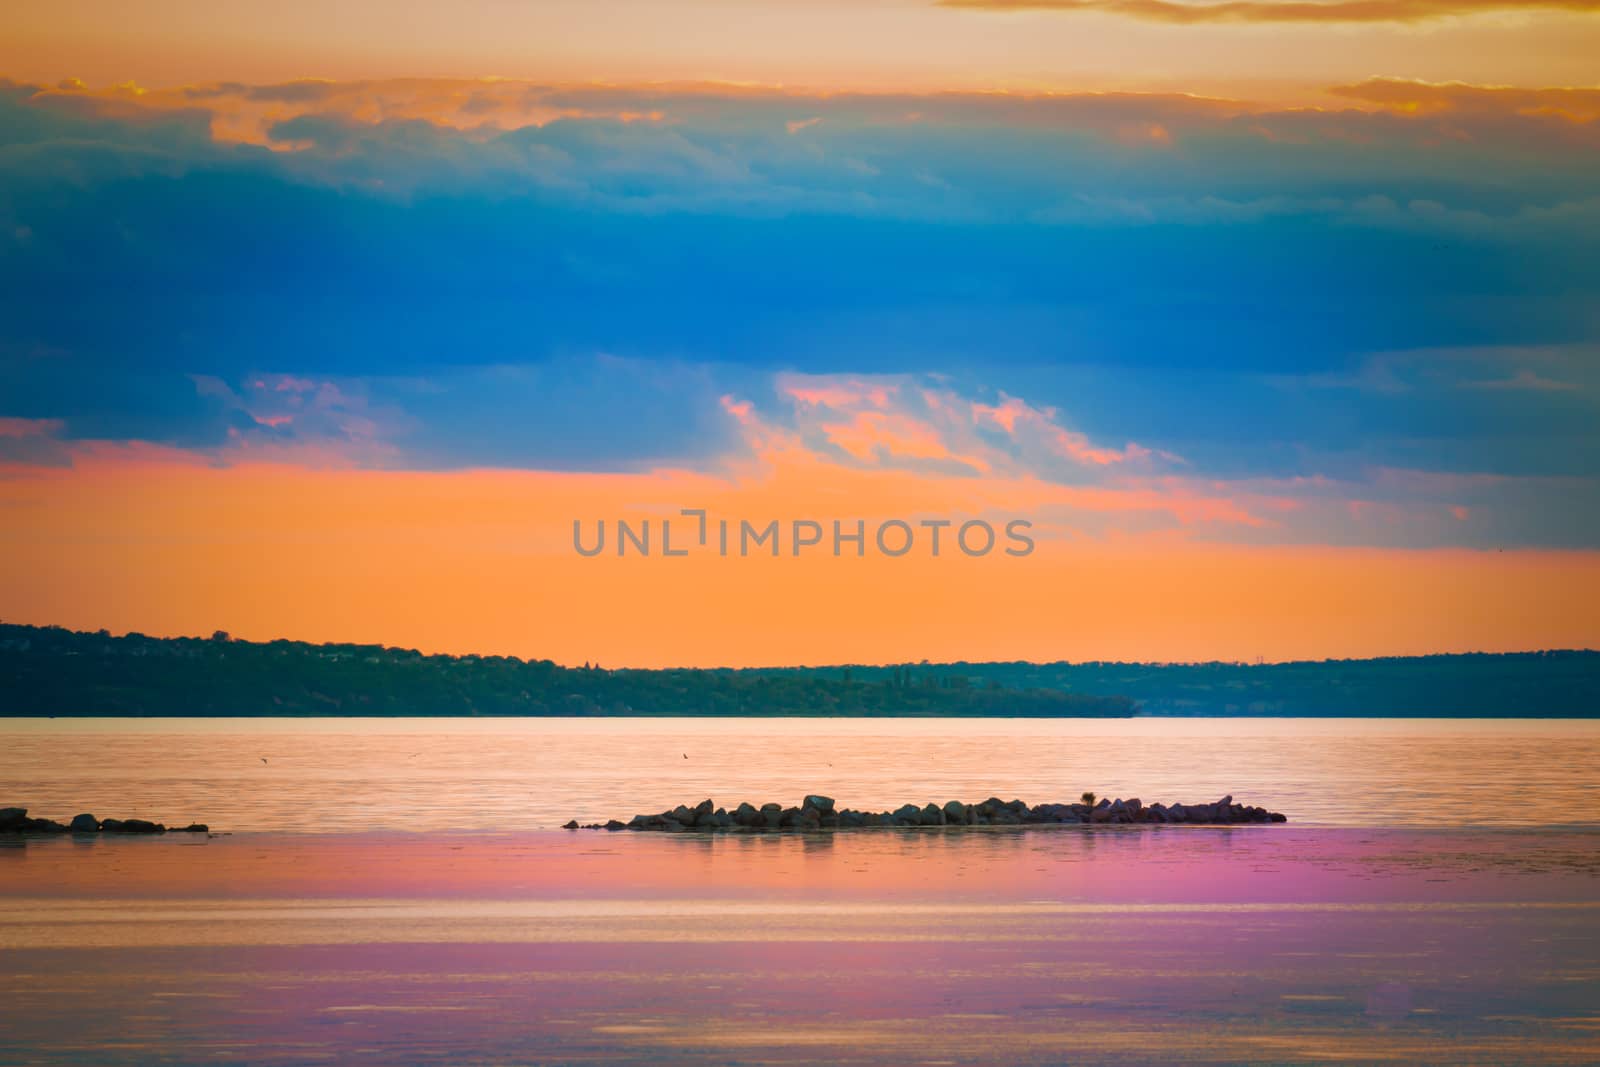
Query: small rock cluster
[
  {"x": 818, "y": 813},
  {"x": 16, "y": 821}
]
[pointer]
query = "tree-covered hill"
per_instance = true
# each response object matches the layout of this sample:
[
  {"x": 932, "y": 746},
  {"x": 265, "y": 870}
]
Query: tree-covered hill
[
  {"x": 52, "y": 671},
  {"x": 1555, "y": 684}
]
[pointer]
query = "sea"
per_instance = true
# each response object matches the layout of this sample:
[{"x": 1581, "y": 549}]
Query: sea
[{"x": 398, "y": 891}]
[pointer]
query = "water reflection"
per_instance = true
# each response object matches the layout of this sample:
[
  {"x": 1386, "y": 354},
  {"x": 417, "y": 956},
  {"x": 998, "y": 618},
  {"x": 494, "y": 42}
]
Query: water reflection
[{"x": 1008, "y": 945}]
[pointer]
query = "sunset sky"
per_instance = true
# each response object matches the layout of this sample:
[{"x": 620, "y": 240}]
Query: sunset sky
[{"x": 1278, "y": 319}]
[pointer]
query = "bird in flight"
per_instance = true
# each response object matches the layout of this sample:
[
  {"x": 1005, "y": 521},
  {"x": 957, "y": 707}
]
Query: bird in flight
[{"x": 263, "y": 759}]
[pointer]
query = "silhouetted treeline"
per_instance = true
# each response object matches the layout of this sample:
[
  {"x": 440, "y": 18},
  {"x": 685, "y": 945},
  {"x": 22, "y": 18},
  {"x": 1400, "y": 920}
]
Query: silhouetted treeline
[
  {"x": 52, "y": 671},
  {"x": 1509, "y": 685}
]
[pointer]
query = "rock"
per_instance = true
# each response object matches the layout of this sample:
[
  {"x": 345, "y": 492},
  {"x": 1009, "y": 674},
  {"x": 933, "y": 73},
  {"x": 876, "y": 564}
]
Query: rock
[
  {"x": 84, "y": 824},
  {"x": 194, "y": 828},
  {"x": 907, "y": 814},
  {"x": 681, "y": 815},
  {"x": 746, "y": 814},
  {"x": 13, "y": 819},
  {"x": 705, "y": 807},
  {"x": 573, "y": 825},
  {"x": 932, "y": 815},
  {"x": 955, "y": 813},
  {"x": 139, "y": 826},
  {"x": 821, "y": 804},
  {"x": 110, "y": 826},
  {"x": 616, "y": 824}
]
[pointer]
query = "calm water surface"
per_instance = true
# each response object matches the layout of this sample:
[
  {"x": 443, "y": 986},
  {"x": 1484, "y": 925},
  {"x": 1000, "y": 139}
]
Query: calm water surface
[
  {"x": 1407, "y": 914},
  {"x": 344, "y": 775},
  {"x": 1261, "y": 945}
]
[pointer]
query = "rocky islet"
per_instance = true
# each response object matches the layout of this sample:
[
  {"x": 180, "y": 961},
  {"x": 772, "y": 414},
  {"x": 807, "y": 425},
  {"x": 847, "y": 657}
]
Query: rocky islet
[
  {"x": 817, "y": 812},
  {"x": 17, "y": 821}
]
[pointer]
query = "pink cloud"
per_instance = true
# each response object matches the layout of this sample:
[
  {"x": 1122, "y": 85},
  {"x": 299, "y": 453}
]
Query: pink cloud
[{"x": 18, "y": 428}]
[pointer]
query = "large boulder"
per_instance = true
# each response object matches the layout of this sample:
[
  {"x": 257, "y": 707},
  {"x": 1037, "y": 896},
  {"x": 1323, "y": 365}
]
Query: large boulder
[
  {"x": 955, "y": 813},
  {"x": 820, "y": 804},
  {"x": 932, "y": 815},
  {"x": 84, "y": 824},
  {"x": 746, "y": 814},
  {"x": 13, "y": 819},
  {"x": 907, "y": 815}
]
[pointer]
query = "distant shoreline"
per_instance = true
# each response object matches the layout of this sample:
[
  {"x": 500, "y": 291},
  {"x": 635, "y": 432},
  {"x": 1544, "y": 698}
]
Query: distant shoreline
[{"x": 54, "y": 672}]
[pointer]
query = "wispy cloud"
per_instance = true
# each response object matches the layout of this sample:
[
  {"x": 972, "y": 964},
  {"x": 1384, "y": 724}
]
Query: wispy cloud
[
  {"x": 1524, "y": 380},
  {"x": 1281, "y": 11}
]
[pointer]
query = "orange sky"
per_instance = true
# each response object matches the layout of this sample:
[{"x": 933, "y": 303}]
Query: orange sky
[
  {"x": 1141, "y": 555},
  {"x": 859, "y": 44},
  {"x": 481, "y": 561}
]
